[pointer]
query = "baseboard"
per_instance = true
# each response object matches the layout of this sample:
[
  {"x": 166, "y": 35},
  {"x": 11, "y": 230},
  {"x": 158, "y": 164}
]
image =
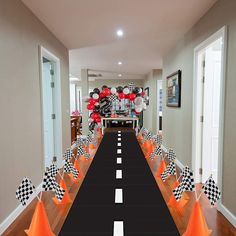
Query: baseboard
[
  {"x": 19, "y": 209},
  {"x": 228, "y": 215}
]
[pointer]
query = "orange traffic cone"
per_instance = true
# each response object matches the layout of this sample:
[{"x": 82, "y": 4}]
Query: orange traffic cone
[
  {"x": 39, "y": 225},
  {"x": 66, "y": 198},
  {"x": 161, "y": 168},
  {"x": 150, "y": 150},
  {"x": 73, "y": 179},
  {"x": 197, "y": 224},
  {"x": 92, "y": 146},
  {"x": 177, "y": 205},
  {"x": 139, "y": 137},
  {"x": 77, "y": 167}
]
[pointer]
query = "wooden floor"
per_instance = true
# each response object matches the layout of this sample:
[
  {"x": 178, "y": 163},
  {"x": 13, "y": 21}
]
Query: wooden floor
[{"x": 57, "y": 213}]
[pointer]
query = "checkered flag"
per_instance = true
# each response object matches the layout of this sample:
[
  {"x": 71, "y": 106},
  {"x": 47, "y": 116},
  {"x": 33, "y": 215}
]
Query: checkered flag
[
  {"x": 157, "y": 139},
  {"x": 53, "y": 170},
  {"x": 187, "y": 184},
  {"x": 112, "y": 98},
  {"x": 149, "y": 136},
  {"x": 170, "y": 170},
  {"x": 59, "y": 191},
  {"x": 89, "y": 137},
  {"x": 68, "y": 154},
  {"x": 79, "y": 142},
  {"x": 171, "y": 155},
  {"x": 157, "y": 152},
  {"x": 131, "y": 86},
  {"x": 81, "y": 151},
  {"x": 69, "y": 168},
  {"x": 211, "y": 190},
  {"x": 48, "y": 182},
  {"x": 25, "y": 189},
  {"x": 186, "y": 170}
]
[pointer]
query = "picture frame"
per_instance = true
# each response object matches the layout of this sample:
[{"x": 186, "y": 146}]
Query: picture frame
[
  {"x": 146, "y": 90},
  {"x": 173, "y": 89}
]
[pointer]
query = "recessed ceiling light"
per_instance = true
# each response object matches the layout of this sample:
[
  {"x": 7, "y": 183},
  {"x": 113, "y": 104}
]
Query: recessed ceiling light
[
  {"x": 120, "y": 75},
  {"x": 119, "y": 33},
  {"x": 120, "y": 63}
]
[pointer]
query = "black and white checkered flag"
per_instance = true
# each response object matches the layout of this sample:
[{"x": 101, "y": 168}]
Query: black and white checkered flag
[
  {"x": 68, "y": 154},
  {"x": 25, "y": 189},
  {"x": 157, "y": 139},
  {"x": 211, "y": 190},
  {"x": 48, "y": 182},
  {"x": 89, "y": 137},
  {"x": 157, "y": 152},
  {"x": 53, "y": 170},
  {"x": 81, "y": 151},
  {"x": 171, "y": 155},
  {"x": 131, "y": 86},
  {"x": 187, "y": 184},
  {"x": 170, "y": 170},
  {"x": 112, "y": 98},
  {"x": 69, "y": 168},
  {"x": 186, "y": 170},
  {"x": 59, "y": 191},
  {"x": 79, "y": 142}
]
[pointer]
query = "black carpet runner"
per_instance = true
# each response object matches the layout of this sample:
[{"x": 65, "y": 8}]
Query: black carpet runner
[{"x": 143, "y": 211}]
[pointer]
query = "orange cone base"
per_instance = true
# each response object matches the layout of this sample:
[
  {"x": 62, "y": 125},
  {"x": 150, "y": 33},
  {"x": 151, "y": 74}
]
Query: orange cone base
[
  {"x": 73, "y": 179},
  {"x": 161, "y": 168},
  {"x": 197, "y": 224},
  {"x": 177, "y": 205},
  {"x": 92, "y": 146},
  {"x": 83, "y": 159},
  {"x": 77, "y": 167},
  {"x": 39, "y": 225},
  {"x": 66, "y": 199}
]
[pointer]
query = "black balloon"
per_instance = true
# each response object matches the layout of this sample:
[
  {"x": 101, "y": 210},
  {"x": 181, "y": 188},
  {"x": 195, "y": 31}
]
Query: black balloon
[
  {"x": 96, "y": 110},
  {"x": 136, "y": 90},
  {"x": 138, "y": 95},
  {"x": 103, "y": 87},
  {"x": 119, "y": 89},
  {"x": 91, "y": 94},
  {"x": 96, "y": 90}
]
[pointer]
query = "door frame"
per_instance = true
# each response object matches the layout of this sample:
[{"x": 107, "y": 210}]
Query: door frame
[
  {"x": 43, "y": 52},
  {"x": 196, "y": 128}
]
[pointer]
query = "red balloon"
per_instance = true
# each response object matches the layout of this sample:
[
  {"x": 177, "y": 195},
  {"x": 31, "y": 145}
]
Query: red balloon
[
  {"x": 90, "y": 106},
  {"x": 121, "y": 95},
  {"x": 94, "y": 115},
  {"x": 102, "y": 95},
  {"x": 137, "y": 113},
  {"x": 132, "y": 96},
  {"x": 92, "y": 101},
  {"x": 98, "y": 119},
  {"x": 127, "y": 96},
  {"x": 107, "y": 91}
]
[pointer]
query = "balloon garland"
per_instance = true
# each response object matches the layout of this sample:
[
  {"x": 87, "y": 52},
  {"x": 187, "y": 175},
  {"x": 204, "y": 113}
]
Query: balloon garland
[{"x": 100, "y": 101}]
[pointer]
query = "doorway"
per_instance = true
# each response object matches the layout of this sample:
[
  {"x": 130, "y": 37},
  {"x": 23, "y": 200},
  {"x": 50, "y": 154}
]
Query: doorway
[
  {"x": 51, "y": 107},
  {"x": 159, "y": 105},
  {"x": 208, "y": 107}
]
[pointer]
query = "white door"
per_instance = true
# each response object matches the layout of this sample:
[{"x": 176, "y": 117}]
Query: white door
[
  {"x": 211, "y": 106},
  {"x": 48, "y": 111}
]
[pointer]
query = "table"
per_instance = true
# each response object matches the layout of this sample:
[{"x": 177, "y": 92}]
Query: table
[{"x": 135, "y": 121}]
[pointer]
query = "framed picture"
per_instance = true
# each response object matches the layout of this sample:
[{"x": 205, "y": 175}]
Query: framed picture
[
  {"x": 146, "y": 90},
  {"x": 173, "y": 86}
]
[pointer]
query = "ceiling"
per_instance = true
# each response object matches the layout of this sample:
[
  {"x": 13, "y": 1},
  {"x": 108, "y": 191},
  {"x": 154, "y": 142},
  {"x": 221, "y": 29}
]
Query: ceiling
[{"x": 88, "y": 29}]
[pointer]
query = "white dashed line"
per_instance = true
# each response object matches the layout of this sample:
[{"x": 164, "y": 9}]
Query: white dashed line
[
  {"x": 119, "y": 131},
  {"x": 118, "y": 151},
  {"x": 118, "y": 174},
  {"x": 119, "y": 135},
  {"x": 118, "y": 229},
  {"x": 119, "y": 144},
  {"x": 118, "y": 160},
  {"x": 119, "y": 139},
  {"x": 119, "y": 195}
]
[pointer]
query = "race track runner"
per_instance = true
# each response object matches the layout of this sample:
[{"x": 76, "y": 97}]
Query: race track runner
[{"x": 119, "y": 196}]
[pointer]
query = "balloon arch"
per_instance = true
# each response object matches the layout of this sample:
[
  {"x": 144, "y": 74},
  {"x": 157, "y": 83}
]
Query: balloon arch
[{"x": 111, "y": 102}]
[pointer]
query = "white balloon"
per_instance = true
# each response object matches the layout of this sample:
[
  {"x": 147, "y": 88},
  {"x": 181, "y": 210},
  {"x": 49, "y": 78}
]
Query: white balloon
[
  {"x": 95, "y": 96},
  {"x": 126, "y": 91},
  {"x": 96, "y": 104},
  {"x": 138, "y": 101},
  {"x": 140, "y": 90},
  {"x": 144, "y": 106},
  {"x": 113, "y": 90},
  {"x": 138, "y": 109}
]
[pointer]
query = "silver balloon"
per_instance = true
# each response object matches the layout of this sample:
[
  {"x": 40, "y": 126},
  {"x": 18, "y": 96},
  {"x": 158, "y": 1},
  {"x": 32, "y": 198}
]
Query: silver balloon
[
  {"x": 95, "y": 96},
  {"x": 138, "y": 101},
  {"x": 113, "y": 90},
  {"x": 126, "y": 91}
]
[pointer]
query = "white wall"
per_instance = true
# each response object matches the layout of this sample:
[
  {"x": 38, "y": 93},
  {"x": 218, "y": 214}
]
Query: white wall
[{"x": 21, "y": 33}]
